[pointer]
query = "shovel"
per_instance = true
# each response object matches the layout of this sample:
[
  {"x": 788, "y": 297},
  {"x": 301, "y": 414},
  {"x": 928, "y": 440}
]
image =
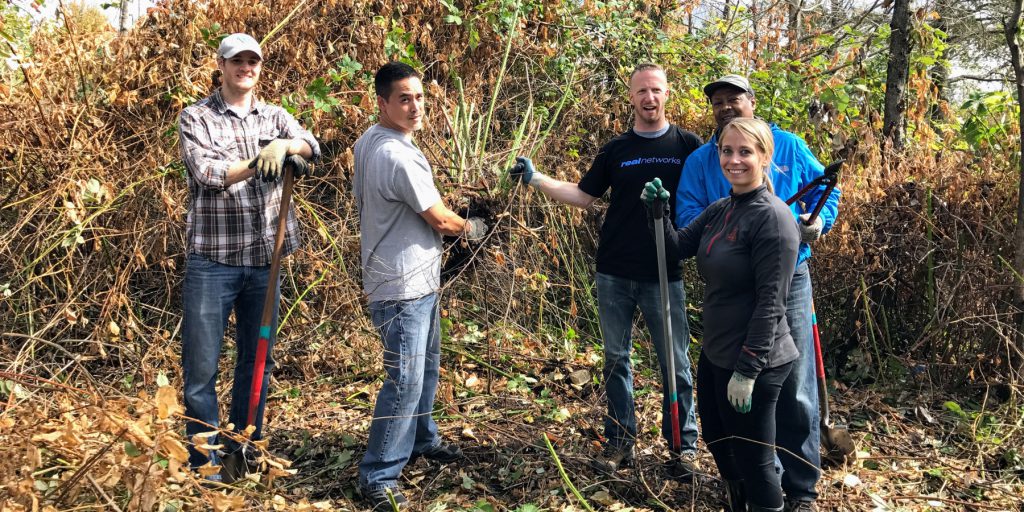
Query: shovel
[
  {"x": 666, "y": 324},
  {"x": 836, "y": 440},
  {"x": 235, "y": 464},
  {"x": 267, "y": 327}
]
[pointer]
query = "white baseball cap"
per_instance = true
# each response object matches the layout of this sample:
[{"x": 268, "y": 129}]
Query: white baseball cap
[{"x": 237, "y": 43}]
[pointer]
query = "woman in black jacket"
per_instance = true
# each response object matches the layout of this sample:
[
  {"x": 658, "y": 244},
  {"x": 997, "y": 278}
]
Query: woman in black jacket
[{"x": 746, "y": 248}]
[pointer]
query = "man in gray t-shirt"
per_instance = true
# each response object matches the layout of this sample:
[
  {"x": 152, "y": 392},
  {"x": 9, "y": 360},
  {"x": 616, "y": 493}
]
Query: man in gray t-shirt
[
  {"x": 401, "y": 253},
  {"x": 401, "y": 220}
]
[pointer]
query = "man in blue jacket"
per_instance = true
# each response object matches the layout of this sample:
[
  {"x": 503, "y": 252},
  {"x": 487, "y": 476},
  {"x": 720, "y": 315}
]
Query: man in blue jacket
[{"x": 793, "y": 166}]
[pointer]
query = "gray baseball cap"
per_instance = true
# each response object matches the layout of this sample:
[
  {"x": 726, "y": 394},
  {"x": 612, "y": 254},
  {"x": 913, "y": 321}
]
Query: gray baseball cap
[
  {"x": 733, "y": 81},
  {"x": 237, "y": 43}
]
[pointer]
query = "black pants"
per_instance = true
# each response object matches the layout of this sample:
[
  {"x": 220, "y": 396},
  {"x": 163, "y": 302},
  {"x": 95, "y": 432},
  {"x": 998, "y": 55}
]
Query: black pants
[{"x": 743, "y": 444}]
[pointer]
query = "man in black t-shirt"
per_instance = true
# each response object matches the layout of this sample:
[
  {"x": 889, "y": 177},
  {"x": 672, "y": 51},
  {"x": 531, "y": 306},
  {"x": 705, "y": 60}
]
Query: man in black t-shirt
[{"x": 627, "y": 267}]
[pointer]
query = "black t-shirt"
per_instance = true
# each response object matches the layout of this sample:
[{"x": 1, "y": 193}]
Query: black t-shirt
[{"x": 624, "y": 164}]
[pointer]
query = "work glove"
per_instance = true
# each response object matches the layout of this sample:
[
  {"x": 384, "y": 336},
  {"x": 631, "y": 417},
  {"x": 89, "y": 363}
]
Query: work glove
[
  {"x": 523, "y": 170},
  {"x": 812, "y": 232},
  {"x": 738, "y": 392},
  {"x": 475, "y": 229},
  {"x": 653, "y": 190},
  {"x": 298, "y": 164},
  {"x": 269, "y": 164}
]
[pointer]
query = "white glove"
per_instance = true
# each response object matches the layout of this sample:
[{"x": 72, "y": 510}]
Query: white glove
[
  {"x": 739, "y": 391},
  {"x": 475, "y": 229},
  {"x": 810, "y": 233}
]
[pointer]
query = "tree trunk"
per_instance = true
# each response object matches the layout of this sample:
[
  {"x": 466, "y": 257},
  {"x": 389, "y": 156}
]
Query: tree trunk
[
  {"x": 795, "y": 9},
  {"x": 940, "y": 71},
  {"x": 1011, "y": 27},
  {"x": 896, "y": 75},
  {"x": 123, "y": 21},
  {"x": 755, "y": 13},
  {"x": 837, "y": 11}
]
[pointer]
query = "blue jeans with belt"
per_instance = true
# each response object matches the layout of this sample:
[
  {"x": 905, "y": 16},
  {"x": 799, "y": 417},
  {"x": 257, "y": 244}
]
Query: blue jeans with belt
[
  {"x": 617, "y": 301},
  {"x": 211, "y": 290},
  {"x": 402, "y": 422},
  {"x": 799, "y": 432}
]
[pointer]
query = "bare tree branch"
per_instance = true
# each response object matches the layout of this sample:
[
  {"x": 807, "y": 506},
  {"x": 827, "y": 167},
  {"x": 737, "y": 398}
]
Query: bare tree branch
[{"x": 976, "y": 78}]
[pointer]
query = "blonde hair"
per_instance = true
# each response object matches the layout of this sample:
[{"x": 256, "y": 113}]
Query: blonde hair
[
  {"x": 760, "y": 133},
  {"x": 646, "y": 66}
]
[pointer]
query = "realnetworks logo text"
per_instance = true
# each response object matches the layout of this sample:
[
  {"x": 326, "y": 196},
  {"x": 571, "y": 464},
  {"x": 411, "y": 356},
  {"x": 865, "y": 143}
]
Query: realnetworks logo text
[{"x": 653, "y": 160}]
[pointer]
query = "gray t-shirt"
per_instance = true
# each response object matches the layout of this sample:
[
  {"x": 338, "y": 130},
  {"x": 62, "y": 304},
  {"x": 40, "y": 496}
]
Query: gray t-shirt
[{"x": 393, "y": 184}]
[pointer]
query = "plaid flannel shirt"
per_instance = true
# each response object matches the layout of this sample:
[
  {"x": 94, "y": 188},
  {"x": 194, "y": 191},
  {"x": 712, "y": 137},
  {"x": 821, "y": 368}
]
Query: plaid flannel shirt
[{"x": 235, "y": 224}]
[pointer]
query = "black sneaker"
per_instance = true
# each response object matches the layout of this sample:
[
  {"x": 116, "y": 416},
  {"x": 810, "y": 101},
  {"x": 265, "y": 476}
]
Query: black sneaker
[
  {"x": 388, "y": 498},
  {"x": 614, "y": 457},
  {"x": 682, "y": 466},
  {"x": 800, "y": 506},
  {"x": 443, "y": 452}
]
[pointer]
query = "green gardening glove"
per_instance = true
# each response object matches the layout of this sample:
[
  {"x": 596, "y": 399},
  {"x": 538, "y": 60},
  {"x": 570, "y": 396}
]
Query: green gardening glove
[
  {"x": 653, "y": 190},
  {"x": 269, "y": 164}
]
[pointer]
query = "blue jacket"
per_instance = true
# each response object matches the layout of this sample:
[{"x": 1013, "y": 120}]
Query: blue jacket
[{"x": 702, "y": 182}]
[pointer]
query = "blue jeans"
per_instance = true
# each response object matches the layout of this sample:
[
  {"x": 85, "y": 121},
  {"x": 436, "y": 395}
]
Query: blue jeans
[
  {"x": 211, "y": 290},
  {"x": 617, "y": 301},
  {"x": 799, "y": 432},
  {"x": 402, "y": 422}
]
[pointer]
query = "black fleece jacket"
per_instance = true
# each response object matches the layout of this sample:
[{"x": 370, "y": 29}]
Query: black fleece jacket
[{"x": 746, "y": 247}]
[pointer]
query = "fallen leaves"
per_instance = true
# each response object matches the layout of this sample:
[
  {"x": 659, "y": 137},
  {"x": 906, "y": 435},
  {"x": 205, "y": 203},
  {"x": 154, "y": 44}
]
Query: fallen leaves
[{"x": 167, "y": 402}]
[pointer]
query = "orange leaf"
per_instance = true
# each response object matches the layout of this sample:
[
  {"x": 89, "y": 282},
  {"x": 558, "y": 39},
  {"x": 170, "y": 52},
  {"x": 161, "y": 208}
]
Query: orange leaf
[{"x": 167, "y": 402}]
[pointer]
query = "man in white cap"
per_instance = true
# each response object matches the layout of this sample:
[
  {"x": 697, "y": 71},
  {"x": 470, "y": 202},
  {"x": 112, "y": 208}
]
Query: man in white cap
[
  {"x": 793, "y": 167},
  {"x": 234, "y": 148}
]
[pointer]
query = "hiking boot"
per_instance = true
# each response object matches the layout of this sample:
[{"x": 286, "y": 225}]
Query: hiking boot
[
  {"x": 736, "y": 495},
  {"x": 682, "y": 466},
  {"x": 800, "y": 506},
  {"x": 443, "y": 452},
  {"x": 614, "y": 457},
  {"x": 381, "y": 499}
]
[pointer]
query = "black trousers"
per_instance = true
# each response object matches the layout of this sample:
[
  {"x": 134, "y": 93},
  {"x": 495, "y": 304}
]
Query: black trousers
[{"x": 743, "y": 444}]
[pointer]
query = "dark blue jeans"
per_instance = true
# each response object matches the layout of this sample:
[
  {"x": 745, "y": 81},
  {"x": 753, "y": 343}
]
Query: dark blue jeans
[
  {"x": 211, "y": 290},
  {"x": 799, "y": 436},
  {"x": 402, "y": 422},
  {"x": 617, "y": 301},
  {"x": 743, "y": 444}
]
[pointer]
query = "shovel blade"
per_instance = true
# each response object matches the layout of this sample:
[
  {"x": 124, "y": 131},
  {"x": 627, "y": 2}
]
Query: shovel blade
[{"x": 838, "y": 444}]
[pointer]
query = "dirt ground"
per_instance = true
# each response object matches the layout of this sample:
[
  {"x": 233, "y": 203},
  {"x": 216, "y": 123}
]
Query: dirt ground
[{"x": 917, "y": 450}]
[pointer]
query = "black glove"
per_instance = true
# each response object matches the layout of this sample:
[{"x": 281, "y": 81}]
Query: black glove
[{"x": 298, "y": 164}]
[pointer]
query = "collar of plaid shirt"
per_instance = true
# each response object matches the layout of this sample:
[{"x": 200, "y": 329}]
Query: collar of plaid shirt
[{"x": 218, "y": 104}]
